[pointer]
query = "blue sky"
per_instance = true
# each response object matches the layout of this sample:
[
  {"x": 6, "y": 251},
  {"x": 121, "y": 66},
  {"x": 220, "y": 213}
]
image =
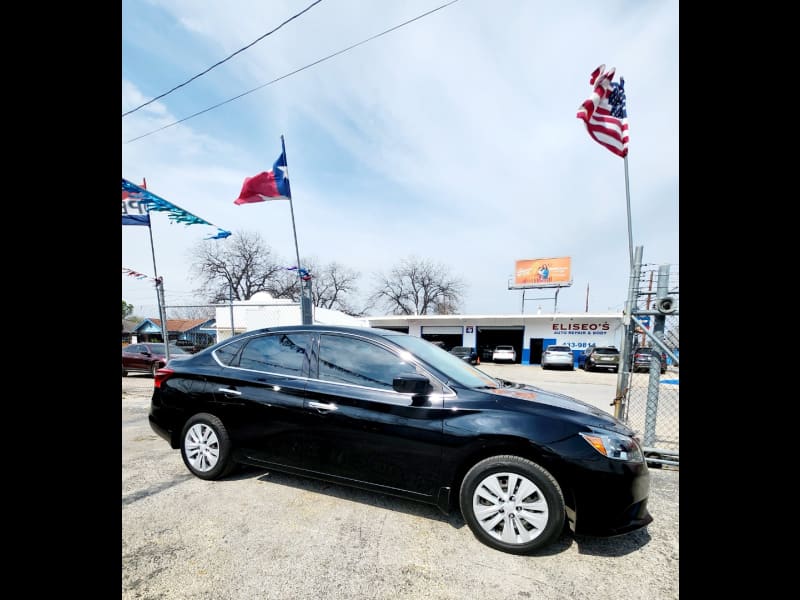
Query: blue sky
[{"x": 453, "y": 138}]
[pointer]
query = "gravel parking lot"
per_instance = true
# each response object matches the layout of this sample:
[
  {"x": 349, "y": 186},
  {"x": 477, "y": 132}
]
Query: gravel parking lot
[{"x": 262, "y": 534}]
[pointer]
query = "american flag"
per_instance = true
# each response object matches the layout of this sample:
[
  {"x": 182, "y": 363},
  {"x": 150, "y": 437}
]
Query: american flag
[{"x": 604, "y": 112}]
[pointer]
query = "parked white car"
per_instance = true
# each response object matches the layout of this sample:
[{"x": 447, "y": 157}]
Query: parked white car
[
  {"x": 557, "y": 356},
  {"x": 504, "y": 353}
]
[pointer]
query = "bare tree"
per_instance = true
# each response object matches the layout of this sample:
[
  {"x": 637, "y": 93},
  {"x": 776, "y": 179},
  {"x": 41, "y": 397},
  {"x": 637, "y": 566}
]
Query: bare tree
[
  {"x": 246, "y": 263},
  {"x": 242, "y": 263},
  {"x": 190, "y": 313},
  {"x": 419, "y": 287},
  {"x": 332, "y": 284}
]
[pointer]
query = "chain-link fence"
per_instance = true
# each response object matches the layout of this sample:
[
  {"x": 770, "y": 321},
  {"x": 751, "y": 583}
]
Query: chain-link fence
[{"x": 651, "y": 398}]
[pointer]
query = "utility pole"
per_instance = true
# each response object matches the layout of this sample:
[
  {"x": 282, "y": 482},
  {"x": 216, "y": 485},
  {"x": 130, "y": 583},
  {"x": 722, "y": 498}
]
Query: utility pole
[
  {"x": 306, "y": 302},
  {"x": 623, "y": 371},
  {"x": 230, "y": 303},
  {"x": 587, "y": 297},
  {"x": 647, "y": 306},
  {"x": 162, "y": 313}
]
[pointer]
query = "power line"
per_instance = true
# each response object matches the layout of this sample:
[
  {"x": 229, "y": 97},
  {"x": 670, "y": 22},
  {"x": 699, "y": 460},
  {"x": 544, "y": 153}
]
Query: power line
[
  {"x": 180, "y": 85},
  {"x": 308, "y": 66}
]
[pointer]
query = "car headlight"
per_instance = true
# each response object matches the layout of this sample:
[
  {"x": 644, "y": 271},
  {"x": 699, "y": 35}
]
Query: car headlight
[{"x": 614, "y": 445}]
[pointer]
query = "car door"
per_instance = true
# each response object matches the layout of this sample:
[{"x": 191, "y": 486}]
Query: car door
[
  {"x": 360, "y": 428},
  {"x": 258, "y": 394},
  {"x": 137, "y": 358}
]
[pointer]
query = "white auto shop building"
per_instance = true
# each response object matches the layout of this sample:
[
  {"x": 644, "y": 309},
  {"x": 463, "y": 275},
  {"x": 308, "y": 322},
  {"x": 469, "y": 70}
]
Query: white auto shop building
[{"x": 528, "y": 334}]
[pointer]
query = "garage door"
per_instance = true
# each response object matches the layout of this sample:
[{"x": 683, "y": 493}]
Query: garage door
[{"x": 442, "y": 330}]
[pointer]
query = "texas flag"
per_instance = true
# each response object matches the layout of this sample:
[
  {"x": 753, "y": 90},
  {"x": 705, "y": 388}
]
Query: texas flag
[{"x": 268, "y": 185}]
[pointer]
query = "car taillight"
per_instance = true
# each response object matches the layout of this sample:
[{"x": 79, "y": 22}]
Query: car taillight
[{"x": 162, "y": 375}]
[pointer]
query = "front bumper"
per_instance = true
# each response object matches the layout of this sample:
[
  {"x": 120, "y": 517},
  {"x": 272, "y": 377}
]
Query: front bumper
[{"x": 612, "y": 503}]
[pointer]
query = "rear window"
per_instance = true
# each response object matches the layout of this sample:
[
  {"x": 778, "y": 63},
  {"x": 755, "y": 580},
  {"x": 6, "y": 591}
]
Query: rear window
[
  {"x": 558, "y": 349},
  {"x": 607, "y": 351},
  {"x": 504, "y": 348},
  {"x": 462, "y": 349}
]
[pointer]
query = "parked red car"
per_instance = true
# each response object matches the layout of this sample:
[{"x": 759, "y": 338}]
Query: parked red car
[{"x": 147, "y": 358}]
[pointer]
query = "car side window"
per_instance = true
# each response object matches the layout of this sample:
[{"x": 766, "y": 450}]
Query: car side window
[
  {"x": 286, "y": 354},
  {"x": 229, "y": 354},
  {"x": 132, "y": 349},
  {"x": 360, "y": 362}
]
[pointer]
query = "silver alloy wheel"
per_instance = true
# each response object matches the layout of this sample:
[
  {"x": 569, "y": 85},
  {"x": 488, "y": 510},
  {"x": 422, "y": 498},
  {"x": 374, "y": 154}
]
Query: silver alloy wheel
[
  {"x": 202, "y": 447},
  {"x": 510, "y": 508}
]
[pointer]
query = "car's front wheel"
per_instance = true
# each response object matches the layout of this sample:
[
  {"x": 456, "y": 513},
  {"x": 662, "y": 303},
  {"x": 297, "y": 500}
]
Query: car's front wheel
[
  {"x": 206, "y": 447},
  {"x": 153, "y": 368},
  {"x": 512, "y": 504}
]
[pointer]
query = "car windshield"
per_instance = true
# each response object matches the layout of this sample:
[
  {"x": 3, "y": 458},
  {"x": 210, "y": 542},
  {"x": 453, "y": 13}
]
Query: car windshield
[
  {"x": 559, "y": 349},
  {"x": 159, "y": 349},
  {"x": 461, "y": 350},
  {"x": 455, "y": 369}
]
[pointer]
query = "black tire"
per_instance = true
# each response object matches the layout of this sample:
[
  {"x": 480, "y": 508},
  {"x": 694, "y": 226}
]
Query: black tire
[
  {"x": 531, "y": 530},
  {"x": 206, "y": 447},
  {"x": 124, "y": 372},
  {"x": 153, "y": 368}
]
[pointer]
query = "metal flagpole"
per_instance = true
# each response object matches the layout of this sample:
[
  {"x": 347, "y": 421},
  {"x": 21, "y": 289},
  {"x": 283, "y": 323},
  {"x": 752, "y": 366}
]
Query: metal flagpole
[
  {"x": 628, "y": 199},
  {"x": 159, "y": 285},
  {"x": 630, "y": 306},
  {"x": 305, "y": 309}
]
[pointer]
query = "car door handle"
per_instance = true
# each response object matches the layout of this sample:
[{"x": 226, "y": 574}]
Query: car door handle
[
  {"x": 230, "y": 392},
  {"x": 322, "y": 406}
]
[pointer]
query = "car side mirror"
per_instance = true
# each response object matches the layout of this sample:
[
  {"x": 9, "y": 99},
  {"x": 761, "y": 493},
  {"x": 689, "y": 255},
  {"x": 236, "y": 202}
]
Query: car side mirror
[
  {"x": 412, "y": 384},
  {"x": 145, "y": 352}
]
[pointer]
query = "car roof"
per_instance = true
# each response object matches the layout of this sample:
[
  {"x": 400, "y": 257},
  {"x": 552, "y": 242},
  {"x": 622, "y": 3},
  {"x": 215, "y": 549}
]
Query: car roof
[{"x": 374, "y": 332}]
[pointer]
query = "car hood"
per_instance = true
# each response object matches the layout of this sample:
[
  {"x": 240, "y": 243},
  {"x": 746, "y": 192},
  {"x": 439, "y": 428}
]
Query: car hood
[{"x": 536, "y": 395}]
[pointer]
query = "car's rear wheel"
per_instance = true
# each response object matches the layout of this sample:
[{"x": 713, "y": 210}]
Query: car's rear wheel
[
  {"x": 124, "y": 372},
  {"x": 206, "y": 447},
  {"x": 512, "y": 504}
]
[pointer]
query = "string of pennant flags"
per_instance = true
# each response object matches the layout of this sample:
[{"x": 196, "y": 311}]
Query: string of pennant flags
[
  {"x": 136, "y": 274},
  {"x": 305, "y": 274},
  {"x": 176, "y": 214}
]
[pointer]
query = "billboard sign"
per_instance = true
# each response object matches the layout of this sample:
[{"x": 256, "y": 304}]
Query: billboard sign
[{"x": 543, "y": 273}]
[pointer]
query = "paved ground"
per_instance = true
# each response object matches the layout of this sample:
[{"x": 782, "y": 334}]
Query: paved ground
[{"x": 265, "y": 535}]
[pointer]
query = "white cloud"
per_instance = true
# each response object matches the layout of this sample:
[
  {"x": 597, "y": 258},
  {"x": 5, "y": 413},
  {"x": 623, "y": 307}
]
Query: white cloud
[{"x": 454, "y": 137}]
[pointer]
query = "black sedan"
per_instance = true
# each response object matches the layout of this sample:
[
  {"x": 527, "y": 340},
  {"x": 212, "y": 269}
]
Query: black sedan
[
  {"x": 466, "y": 353},
  {"x": 392, "y": 413}
]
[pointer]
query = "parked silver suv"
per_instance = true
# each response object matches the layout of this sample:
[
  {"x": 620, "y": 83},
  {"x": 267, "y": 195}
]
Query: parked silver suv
[{"x": 557, "y": 356}]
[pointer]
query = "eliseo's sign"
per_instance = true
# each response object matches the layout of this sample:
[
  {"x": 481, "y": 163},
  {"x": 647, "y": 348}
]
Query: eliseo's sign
[{"x": 581, "y": 326}]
